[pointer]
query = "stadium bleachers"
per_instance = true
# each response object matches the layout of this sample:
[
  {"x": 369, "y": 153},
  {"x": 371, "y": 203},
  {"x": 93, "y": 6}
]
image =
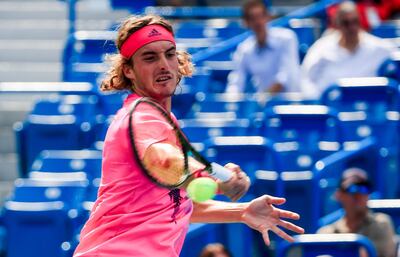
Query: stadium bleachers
[{"x": 290, "y": 146}]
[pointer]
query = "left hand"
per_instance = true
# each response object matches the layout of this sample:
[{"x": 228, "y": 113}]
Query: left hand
[
  {"x": 237, "y": 186},
  {"x": 261, "y": 215},
  {"x": 275, "y": 88}
]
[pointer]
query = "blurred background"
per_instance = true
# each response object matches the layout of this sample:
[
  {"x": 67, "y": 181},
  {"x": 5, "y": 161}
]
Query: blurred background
[{"x": 53, "y": 119}]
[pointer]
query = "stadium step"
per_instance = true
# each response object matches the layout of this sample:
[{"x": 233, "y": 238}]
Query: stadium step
[
  {"x": 30, "y": 71},
  {"x": 8, "y": 167},
  {"x": 7, "y": 139},
  {"x": 30, "y": 50}
]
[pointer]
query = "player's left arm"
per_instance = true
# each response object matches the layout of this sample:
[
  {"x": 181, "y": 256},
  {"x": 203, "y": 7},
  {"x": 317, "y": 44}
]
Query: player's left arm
[{"x": 259, "y": 214}]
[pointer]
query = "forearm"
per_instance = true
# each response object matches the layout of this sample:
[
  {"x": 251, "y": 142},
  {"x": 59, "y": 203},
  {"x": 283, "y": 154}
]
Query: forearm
[{"x": 218, "y": 212}]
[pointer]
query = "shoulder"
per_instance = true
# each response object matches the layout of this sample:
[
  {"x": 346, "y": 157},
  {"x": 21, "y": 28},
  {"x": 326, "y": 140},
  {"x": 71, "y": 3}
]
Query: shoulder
[
  {"x": 376, "y": 42},
  {"x": 329, "y": 229},
  {"x": 324, "y": 45},
  {"x": 246, "y": 46},
  {"x": 381, "y": 218},
  {"x": 282, "y": 33}
]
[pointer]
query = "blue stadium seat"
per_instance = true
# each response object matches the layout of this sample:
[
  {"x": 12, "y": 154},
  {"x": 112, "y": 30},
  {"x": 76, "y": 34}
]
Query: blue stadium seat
[
  {"x": 219, "y": 71},
  {"x": 390, "y": 68},
  {"x": 64, "y": 122},
  {"x": 289, "y": 98},
  {"x": 84, "y": 54},
  {"x": 41, "y": 215},
  {"x": 249, "y": 152},
  {"x": 200, "y": 130},
  {"x": 236, "y": 237},
  {"x": 70, "y": 193},
  {"x": 370, "y": 107},
  {"x": 373, "y": 95},
  {"x": 57, "y": 162},
  {"x": 312, "y": 245},
  {"x": 307, "y": 125},
  {"x": 225, "y": 106},
  {"x": 387, "y": 30},
  {"x": 389, "y": 206},
  {"x": 309, "y": 188},
  {"x": 307, "y": 31},
  {"x": 36, "y": 229},
  {"x": 84, "y": 107}
]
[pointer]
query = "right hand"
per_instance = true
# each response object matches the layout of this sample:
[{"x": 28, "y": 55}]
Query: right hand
[{"x": 237, "y": 186}]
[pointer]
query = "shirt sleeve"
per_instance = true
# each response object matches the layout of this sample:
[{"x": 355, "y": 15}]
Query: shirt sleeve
[
  {"x": 238, "y": 77},
  {"x": 289, "y": 70},
  {"x": 310, "y": 69},
  {"x": 151, "y": 127},
  {"x": 383, "y": 236}
]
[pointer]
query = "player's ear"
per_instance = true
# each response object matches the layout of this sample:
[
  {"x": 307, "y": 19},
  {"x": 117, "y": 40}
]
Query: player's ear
[
  {"x": 128, "y": 71},
  {"x": 338, "y": 195}
]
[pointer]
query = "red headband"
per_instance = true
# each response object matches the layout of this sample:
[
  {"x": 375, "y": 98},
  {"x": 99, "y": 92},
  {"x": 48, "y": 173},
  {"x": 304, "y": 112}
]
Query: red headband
[{"x": 144, "y": 36}]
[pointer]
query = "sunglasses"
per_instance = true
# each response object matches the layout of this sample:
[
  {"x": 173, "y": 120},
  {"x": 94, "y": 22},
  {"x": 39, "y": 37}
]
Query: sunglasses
[
  {"x": 349, "y": 22},
  {"x": 361, "y": 189}
]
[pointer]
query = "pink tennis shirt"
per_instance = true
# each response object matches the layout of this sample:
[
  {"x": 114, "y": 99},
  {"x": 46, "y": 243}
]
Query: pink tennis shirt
[{"x": 132, "y": 216}]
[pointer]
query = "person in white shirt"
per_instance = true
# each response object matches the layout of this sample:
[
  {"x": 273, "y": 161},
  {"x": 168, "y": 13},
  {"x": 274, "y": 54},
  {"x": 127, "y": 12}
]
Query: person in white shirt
[
  {"x": 347, "y": 51},
  {"x": 269, "y": 58}
]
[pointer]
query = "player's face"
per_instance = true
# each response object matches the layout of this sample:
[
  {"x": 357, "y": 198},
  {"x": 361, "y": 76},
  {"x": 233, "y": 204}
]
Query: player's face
[
  {"x": 355, "y": 203},
  {"x": 349, "y": 24},
  {"x": 256, "y": 19},
  {"x": 154, "y": 72}
]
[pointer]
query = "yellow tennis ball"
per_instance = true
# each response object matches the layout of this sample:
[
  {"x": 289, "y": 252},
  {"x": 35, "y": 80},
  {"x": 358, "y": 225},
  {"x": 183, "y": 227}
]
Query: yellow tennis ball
[{"x": 202, "y": 189}]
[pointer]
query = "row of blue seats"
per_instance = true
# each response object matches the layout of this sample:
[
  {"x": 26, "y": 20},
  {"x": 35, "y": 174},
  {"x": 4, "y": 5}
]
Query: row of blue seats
[
  {"x": 367, "y": 108},
  {"x": 85, "y": 51},
  {"x": 61, "y": 200}
]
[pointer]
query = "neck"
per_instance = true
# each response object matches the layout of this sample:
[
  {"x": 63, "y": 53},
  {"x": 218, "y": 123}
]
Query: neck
[
  {"x": 350, "y": 43},
  {"x": 165, "y": 102},
  {"x": 355, "y": 220},
  {"x": 261, "y": 38}
]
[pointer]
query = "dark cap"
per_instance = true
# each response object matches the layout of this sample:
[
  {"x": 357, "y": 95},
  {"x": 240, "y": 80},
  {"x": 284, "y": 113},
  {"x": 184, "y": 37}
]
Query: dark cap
[{"x": 355, "y": 180}]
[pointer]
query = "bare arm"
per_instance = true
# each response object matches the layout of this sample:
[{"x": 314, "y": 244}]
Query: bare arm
[
  {"x": 166, "y": 159},
  {"x": 259, "y": 214}
]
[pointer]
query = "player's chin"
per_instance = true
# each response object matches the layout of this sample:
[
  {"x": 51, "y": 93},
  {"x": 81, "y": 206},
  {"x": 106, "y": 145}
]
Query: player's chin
[{"x": 167, "y": 88}]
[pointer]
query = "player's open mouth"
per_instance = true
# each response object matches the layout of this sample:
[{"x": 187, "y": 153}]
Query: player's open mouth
[{"x": 163, "y": 78}]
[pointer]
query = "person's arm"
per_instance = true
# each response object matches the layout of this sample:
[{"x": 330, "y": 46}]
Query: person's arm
[
  {"x": 259, "y": 214},
  {"x": 167, "y": 158},
  {"x": 237, "y": 78},
  {"x": 310, "y": 70},
  {"x": 288, "y": 75},
  {"x": 385, "y": 241}
]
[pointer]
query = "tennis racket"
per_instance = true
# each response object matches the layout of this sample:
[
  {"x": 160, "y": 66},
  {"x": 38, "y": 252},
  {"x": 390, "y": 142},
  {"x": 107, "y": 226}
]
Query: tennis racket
[{"x": 147, "y": 122}]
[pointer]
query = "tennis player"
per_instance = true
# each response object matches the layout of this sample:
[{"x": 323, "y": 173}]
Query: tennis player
[{"x": 132, "y": 216}]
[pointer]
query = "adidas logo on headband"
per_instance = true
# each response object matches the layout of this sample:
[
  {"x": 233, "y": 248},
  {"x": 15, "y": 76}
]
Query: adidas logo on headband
[{"x": 154, "y": 33}]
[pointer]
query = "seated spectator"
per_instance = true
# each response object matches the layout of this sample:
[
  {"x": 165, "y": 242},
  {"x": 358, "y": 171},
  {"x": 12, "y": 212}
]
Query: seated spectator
[
  {"x": 215, "y": 250},
  {"x": 353, "y": 192},
  {"x": 345, "y": 52},
  {"x": 269, "y": 58},
  {"x": 372, "y": 12}
]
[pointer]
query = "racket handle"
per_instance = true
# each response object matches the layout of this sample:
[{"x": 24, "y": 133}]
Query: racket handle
[{"x": 220, "y": 172}]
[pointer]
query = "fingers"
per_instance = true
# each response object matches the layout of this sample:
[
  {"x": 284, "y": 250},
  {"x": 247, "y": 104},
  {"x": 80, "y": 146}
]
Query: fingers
[
  {"x": 233, "y": 167},
  {"x": 291, "y": 226},
  {"x": 288, "y": 214},
  {"x": 282, "y": 234},
  {"x": 274, "y": 200},
  {"x": 266, "y": 237}
]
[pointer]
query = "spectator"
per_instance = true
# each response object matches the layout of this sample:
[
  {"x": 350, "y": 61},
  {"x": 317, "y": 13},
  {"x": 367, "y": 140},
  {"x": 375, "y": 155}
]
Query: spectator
[
  {"x": 372, "y": 12},
  {"x": 345, "y": 52},
  {"x": 352, "y": 194},
  {"x": 269, "y": 57},
  {"x": 215, "y": 250}
]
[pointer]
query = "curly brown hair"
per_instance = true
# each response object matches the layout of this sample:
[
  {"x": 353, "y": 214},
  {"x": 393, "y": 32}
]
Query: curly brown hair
[{"x": 115, "y": 78}]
